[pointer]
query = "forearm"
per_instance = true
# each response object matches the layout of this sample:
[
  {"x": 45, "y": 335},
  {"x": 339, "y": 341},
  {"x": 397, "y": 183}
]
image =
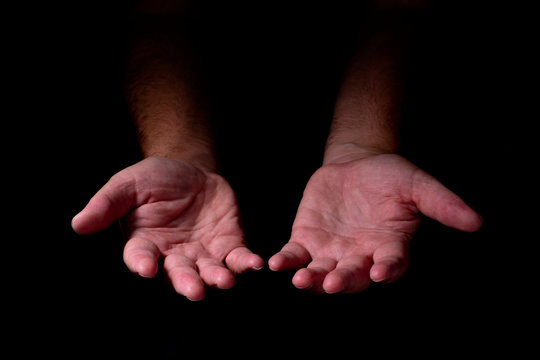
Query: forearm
[
  {"x": 368, "y": 107},
  {"x": 166, "y": 94}
]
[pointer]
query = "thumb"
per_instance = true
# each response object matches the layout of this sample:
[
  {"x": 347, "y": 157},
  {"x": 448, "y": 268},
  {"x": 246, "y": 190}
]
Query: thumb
[
  {"x": 109, "y": 204},
  {"x": 437, "y": 202}
]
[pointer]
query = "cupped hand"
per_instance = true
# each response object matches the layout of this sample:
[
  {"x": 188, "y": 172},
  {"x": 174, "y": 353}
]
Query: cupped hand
[
  {"x": 356, "y": 219},
  {"x": 174, "y": 211}
]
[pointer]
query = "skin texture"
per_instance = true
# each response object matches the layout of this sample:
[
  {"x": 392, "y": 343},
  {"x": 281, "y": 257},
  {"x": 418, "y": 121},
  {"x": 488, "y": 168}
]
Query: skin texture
[
  {"x": 174, "y": 211},
  {"x": 359, "y": 211},
  {"x": 356, "y": 219}
]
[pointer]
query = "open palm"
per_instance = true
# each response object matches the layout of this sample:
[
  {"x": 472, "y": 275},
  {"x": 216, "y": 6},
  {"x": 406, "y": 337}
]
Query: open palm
[
  {"x": 173, "y": 210},
  {"x": 356, "y": 219}
]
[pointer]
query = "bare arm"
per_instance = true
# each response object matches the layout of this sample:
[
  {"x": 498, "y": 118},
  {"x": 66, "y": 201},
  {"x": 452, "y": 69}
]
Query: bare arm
[
  {"x": 166, "y": 85},
  {"x": 169, "y": 208},
  {"x": 367, "y": 110},
  {"x": 360, "y": 210}
]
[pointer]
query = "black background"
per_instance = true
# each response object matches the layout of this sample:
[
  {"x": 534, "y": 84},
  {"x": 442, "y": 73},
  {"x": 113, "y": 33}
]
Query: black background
[{"x": 72, "y": 294}]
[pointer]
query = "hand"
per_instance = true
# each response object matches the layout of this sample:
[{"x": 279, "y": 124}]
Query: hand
[
  {"x": 173, "y": 210},
  {"x": 356, "y": 219}
]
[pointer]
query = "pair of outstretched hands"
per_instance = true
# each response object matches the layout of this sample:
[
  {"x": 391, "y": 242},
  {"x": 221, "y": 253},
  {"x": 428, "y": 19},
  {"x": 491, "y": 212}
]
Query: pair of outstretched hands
[{"x": 353, "y": 225}]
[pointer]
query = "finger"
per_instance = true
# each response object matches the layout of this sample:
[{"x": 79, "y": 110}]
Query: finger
[
  {"x": 182, "y": 272},
  {"x": 141, "y": 257},
  {"x": 242, "y": 259},
  {"x": 312, "y": 277},
  {"x": 390, "y": 261},
  {"x": 109, "y": 204},
  {"x": 350, "y": 275},
  {"x": 437, "y": 202},
  {"x": 292, "y": 256},
  {"x": 214, "y": 273}
]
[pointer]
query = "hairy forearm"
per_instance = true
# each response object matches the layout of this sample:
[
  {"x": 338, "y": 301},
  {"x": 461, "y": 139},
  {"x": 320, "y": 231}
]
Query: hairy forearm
[
  {"x": 367, "y": 109},
  {"x": 166, "y": 94}
]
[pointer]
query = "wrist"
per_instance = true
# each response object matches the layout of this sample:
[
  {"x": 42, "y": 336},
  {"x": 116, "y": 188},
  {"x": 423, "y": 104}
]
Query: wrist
[
  {"x": 201, "y": 157},
  {"x": 339, "y": 153}
]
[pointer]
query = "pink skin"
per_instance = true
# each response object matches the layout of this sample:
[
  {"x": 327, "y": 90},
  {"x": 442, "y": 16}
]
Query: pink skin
[
  {"x": 173, "y": 210},
  {"x": 356, "y": 219},
  {"x": 353, "y": 225}
]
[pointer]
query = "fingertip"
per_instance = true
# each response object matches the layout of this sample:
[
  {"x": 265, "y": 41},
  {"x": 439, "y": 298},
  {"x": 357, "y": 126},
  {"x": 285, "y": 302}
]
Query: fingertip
[
  {"x": 224, "y": 279},
  {"x": 191, "y": 286},
  {"x": 302, "y": 279},
  {"x": 182, "y": 272},
  {"x": 292, "y": 256},
  {"x": 252, "y": 261},
  {"x": 275, "y": 263},
  {"x": 473, "y": 223},
  {"x": 256, "y": 262},
  {"x": 140, "y": 256},
  {"x": 462, "y": 217},
  {"x": 242, "y": 259},
  {"x": 75, "y": 223},
  {"x": 219, "y": 277},
  {"x": 195, "y": 294},
  {"x": 436, "y": 201},
  {"x": 333, "y": 284},
  {"x": 386, "y": 271},
  {"x": 94, "y": 217},
  {"x": 349, "y": 276},
  {"x": 79, "y": 225},
  {"x": 147, "y": 268},
  {"x": 378, "y": 274}
]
